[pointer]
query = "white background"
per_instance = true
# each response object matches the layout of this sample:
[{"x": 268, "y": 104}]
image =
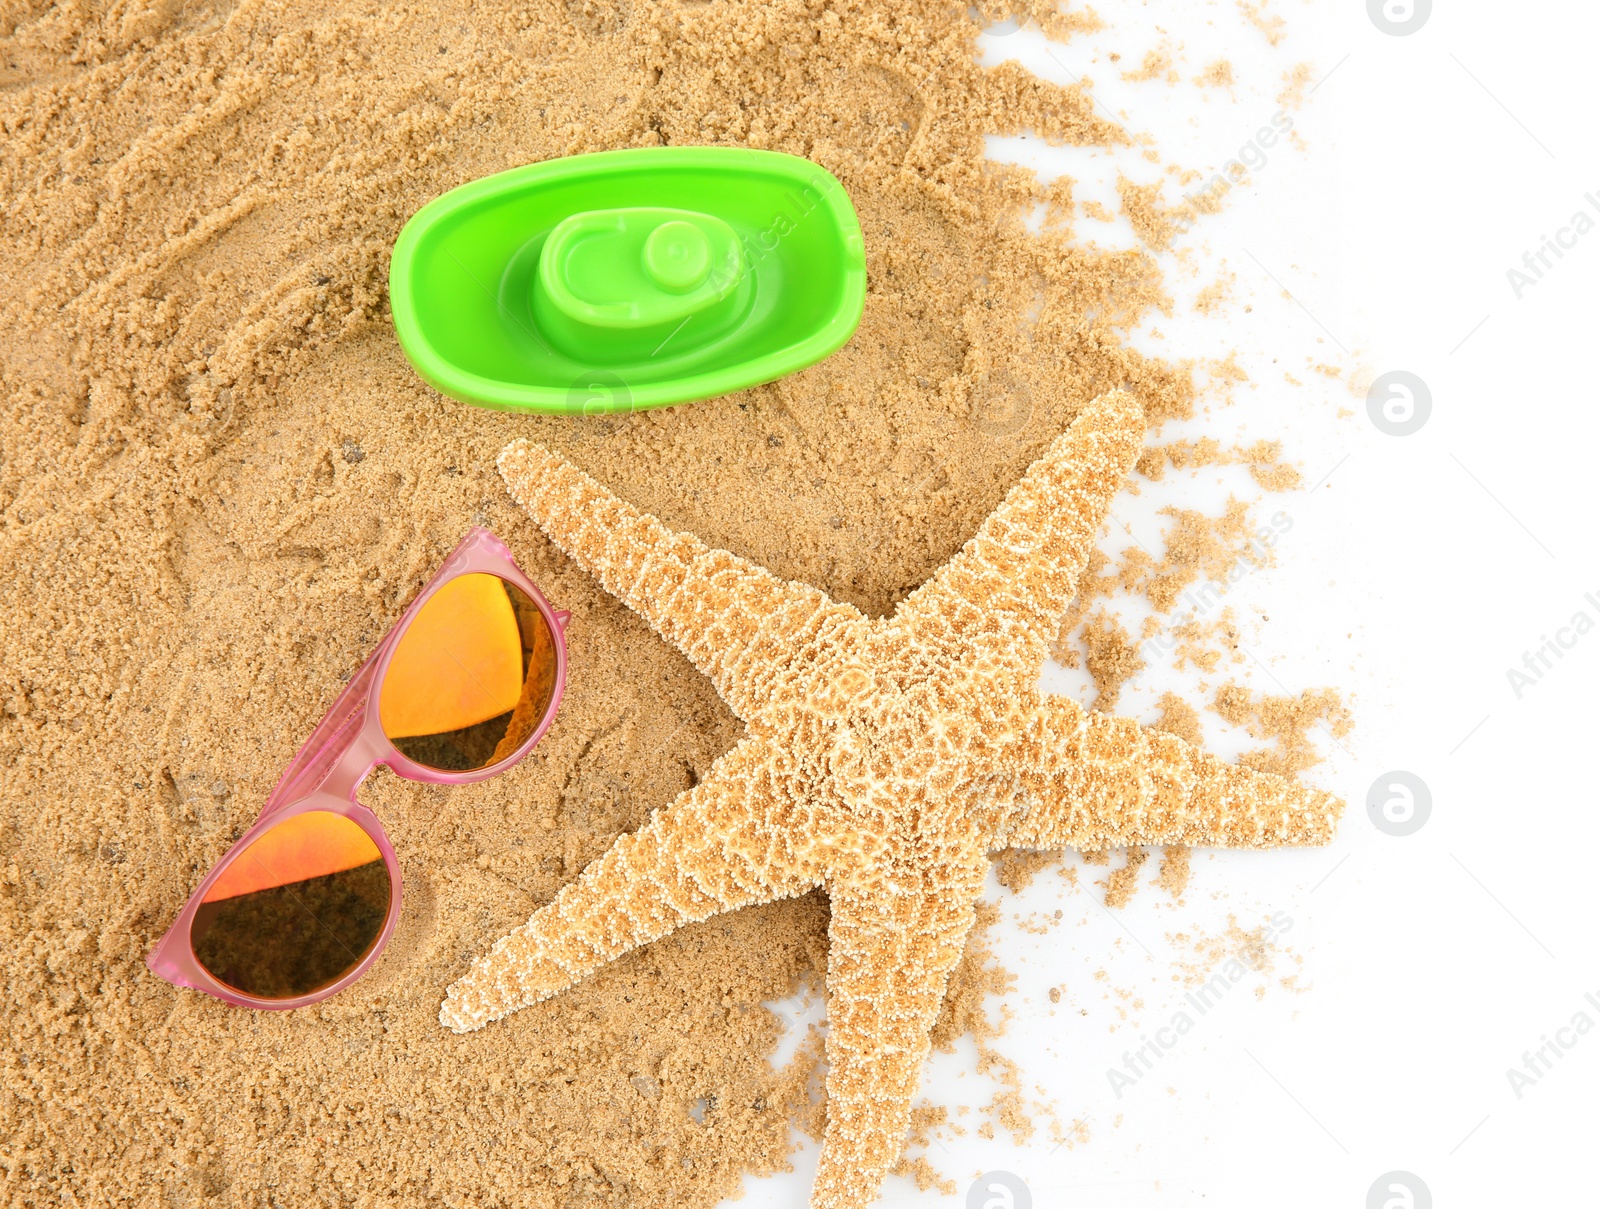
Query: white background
[{"x": 1414, "y": 576}]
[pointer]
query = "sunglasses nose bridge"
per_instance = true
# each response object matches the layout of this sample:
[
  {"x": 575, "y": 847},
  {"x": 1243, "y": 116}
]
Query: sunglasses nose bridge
[{"x": 355, "y": 763}]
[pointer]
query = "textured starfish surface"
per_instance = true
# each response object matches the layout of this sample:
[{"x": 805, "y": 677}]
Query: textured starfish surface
[{"x": 884, "y": 760}]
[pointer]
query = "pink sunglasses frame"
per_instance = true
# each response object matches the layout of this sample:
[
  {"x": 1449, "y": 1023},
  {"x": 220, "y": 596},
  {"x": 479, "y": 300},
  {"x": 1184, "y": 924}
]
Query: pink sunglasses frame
[{"x": 346, "y": 746}]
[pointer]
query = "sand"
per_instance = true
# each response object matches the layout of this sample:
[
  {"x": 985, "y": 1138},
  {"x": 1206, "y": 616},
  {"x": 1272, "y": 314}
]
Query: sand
[{"x": 220, "y": 482}]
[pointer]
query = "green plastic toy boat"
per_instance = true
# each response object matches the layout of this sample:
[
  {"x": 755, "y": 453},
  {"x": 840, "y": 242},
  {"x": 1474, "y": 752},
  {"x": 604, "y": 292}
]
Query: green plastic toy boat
[{"x": 628, "y": 279}]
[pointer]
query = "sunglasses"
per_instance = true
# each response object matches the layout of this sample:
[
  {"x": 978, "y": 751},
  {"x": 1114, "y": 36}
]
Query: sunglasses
[{"x": 458, "y": 691}]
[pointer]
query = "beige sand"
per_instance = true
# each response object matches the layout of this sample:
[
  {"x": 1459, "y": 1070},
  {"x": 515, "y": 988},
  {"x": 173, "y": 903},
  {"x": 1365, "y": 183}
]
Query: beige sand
[{"x": 220, "y": 481}]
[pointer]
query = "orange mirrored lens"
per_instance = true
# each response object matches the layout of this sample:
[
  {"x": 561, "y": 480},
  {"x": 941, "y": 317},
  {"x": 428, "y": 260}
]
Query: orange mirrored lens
[
  {"x": 458, "y": 663},
  {"x": 308, "y": 845},
  {"x": 471, "y": 677},
  {"x": 296, "y": 910}
]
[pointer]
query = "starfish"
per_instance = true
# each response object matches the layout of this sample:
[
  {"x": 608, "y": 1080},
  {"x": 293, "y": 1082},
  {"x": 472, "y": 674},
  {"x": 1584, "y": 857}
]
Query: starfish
[{"x": 884, "y": 759}]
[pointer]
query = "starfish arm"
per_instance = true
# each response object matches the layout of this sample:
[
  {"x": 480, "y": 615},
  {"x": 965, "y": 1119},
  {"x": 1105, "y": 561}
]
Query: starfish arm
[
  {"x": 889, "y": 962},
  {"x": 1001, "y": 597},
  {"x": 753, "y": 634},
  {"x": 722, "y": 845},
  {"x": 1091, "y": 780}
]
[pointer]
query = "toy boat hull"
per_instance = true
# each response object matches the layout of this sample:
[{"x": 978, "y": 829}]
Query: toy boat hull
[{"x": 466, "y": 271}]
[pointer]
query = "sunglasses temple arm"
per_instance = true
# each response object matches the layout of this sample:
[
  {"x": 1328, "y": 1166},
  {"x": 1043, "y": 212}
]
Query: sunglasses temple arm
[{"x": 328, "y": 743}]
